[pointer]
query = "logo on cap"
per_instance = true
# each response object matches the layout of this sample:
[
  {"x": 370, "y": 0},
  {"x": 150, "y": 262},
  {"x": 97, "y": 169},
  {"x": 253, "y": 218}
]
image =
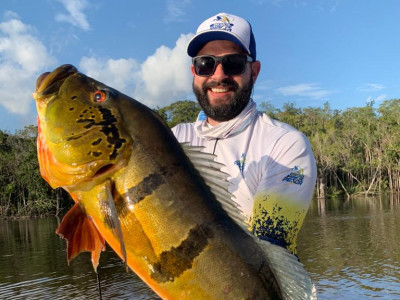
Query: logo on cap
[{"x": 223, "y": 23}]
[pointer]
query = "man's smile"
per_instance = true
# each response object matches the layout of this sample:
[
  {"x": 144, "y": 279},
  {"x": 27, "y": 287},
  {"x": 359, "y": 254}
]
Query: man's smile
[{"x": 220, "y": 89}]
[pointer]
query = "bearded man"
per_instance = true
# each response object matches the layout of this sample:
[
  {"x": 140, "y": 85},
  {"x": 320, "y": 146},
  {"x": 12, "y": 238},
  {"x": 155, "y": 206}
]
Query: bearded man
[{"x": 270, "y": 164}]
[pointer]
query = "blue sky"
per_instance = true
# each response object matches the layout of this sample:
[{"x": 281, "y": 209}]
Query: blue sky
[{"x": 311, "y": 51}]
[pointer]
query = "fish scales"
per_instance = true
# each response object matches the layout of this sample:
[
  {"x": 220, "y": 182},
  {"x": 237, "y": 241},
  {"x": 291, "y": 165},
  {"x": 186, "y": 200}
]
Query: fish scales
[{"x": 134, "y": 187}]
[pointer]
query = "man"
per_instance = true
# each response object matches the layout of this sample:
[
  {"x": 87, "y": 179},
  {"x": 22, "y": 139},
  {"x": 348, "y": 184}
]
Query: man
[{"x": 271, "y": 166}]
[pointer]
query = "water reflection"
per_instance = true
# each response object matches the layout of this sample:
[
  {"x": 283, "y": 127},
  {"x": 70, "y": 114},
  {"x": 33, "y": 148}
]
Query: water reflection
[
  {"x": 351, "y": 249},
  {"x": 34, "y": 266}
]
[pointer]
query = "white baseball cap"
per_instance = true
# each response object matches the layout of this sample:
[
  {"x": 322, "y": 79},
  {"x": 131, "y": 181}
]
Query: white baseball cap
[{"x": 224, "y": 26}]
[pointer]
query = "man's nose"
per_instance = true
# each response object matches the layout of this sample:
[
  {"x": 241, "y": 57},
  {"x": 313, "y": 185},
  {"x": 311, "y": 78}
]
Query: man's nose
[{"x": 219, "y": 72}]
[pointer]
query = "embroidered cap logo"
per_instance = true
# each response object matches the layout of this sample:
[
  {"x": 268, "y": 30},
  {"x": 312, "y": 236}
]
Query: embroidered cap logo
[{"x": 223, "y": 22}]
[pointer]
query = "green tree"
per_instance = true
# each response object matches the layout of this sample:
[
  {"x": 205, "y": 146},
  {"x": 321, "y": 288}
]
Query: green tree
[
  {"x": 356, "y": 150},
  {"x": 22, "y": 189},
  {"x": 183, "y": 111},
  {"x": 389, "y": 130}
]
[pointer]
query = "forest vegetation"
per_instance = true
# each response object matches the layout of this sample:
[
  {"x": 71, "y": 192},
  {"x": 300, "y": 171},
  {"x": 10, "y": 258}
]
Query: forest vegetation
[{"x": 357, "y": 153}]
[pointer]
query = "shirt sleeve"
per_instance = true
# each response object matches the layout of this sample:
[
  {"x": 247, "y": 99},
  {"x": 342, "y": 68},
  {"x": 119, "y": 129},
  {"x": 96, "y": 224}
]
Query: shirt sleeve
[
  {"x": 183, "y": 132},
  {"x": 284, "y": 193}
]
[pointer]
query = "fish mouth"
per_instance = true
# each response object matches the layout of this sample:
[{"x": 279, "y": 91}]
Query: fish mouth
[
  {"x": 104, "y": 170},
  {"x": 50, "y": 82}
]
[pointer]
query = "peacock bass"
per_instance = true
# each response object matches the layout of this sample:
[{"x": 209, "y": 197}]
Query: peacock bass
[{"x": 161, "y": 206}]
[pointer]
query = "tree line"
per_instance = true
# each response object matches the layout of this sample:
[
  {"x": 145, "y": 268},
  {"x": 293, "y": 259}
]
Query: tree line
[
  {"x": 23, "y": 192},
  {"x": 357, "y": 150},
  {"x": 357, "y": 153}
]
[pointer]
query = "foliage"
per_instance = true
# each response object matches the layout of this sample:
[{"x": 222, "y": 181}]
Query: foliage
[
  {"x": 179, "y": 112},
  {"x": 357, "y": 152},
  {"x": 22, "y": 189}
]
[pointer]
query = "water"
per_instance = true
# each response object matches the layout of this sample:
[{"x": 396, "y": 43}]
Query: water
[
  {"x": 34, "y": 266},
  {"x": 351, "y": 249}
]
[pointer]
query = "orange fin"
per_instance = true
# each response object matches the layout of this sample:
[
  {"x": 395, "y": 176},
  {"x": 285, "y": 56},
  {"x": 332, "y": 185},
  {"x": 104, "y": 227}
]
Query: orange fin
[{"x": 81, "y": 235}]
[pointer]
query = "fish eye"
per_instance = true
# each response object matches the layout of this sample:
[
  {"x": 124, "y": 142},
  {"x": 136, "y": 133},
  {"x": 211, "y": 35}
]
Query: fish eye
[{"x": 100, "y": 96}]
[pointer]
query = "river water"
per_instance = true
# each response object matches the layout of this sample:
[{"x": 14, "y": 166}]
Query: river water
[{"x": 351, "y": 249}]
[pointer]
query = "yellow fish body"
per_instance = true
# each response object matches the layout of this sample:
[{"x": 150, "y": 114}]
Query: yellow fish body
[{"x": 135, "y": 188}]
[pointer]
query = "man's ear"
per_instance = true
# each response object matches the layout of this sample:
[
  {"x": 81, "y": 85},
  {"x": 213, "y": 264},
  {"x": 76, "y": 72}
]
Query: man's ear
[
  {"x": 192, "y": 69},
  {"x": 255, "y": 69}
]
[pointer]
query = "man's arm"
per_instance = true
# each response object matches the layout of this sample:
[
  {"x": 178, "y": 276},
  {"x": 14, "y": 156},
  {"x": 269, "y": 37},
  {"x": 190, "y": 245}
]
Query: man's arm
[{"x": 285, "y": 191}]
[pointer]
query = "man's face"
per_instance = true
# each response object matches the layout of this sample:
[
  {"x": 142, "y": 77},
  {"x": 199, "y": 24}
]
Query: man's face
[{"x": 223, "y": 97}]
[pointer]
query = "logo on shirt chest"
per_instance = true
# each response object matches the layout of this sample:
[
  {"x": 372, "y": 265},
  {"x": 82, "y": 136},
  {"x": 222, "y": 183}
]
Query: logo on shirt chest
[{"x": 240, "y": 163}]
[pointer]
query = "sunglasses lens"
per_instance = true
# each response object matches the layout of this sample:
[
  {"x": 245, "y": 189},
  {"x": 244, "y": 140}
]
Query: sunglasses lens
[
  {"x": 232, "y": 64},
  {"x": 204, "y": 65}
]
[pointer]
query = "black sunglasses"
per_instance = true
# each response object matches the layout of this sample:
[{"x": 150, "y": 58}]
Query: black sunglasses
[{"x": 232, "y": 64}]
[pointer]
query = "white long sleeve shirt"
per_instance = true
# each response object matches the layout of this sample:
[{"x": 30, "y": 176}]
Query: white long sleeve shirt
[{"x": 271, "y": 166}]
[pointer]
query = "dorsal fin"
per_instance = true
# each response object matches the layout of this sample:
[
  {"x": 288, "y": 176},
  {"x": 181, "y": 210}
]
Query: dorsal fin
[
  {"x": 293, "y": 279},
  {"x": 216, "y": 180}
]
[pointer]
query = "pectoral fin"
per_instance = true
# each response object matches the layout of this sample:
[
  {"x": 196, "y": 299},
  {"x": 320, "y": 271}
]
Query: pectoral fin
[
  {"x": 81, "y": 235},
  {"x": 107, "y": 206}
]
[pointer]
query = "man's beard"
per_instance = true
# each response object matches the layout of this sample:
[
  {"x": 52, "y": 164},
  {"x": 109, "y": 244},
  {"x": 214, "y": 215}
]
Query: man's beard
[{"x": 224, "y": 112}]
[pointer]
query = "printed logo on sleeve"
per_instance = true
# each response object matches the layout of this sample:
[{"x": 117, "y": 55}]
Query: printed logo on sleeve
[{"x": 296, "y": 176}]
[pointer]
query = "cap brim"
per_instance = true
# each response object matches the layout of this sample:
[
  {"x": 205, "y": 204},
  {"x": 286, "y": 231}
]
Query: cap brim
[{"x": 202, "y": 38}]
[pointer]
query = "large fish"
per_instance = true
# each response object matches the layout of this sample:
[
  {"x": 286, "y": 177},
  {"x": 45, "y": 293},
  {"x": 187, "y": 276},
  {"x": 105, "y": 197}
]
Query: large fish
[{"x": 163, "y": 208}]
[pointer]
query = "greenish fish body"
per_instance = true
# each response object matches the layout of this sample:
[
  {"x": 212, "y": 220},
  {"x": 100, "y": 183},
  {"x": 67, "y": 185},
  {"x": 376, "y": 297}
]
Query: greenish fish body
[{"x": 136, "y": 188}]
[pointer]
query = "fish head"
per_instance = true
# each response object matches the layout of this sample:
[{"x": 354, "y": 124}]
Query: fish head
[{"x": 82, "y": 135}]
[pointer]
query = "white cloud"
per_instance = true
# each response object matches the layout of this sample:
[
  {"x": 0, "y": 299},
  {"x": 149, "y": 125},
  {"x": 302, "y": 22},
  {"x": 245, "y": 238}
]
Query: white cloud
[
  {"x": 371, "y": 87},
  {"x": 176, "y": 10},
  {"x": 165, "y": 76},
  {"x": 161, "y": 79},
  {"x": 311, "y": 90},
  {"x": 380, "y": 98},
  {"x": 22, "y": 57},
  {"x": 75, "y": 14},
  {"x": 264, "y": 85},
  {"x": 117, "y": 73}
]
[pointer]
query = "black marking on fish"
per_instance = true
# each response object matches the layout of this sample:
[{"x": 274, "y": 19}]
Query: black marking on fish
[
  {"x": 71, "y": 108},
  {"x": 74, "y": 137},
  {"x": 111, "y": 131},
  {"x": 145, "y": 187},
  {"x": 74, "y": 97},
  {"x": 95, "y": 153},
  {"x": 140, "y": 191},
  {"x": 108, "y": 127},
  {"x": 96, "y": 142},
  {"x": 174, "y": 262}
]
